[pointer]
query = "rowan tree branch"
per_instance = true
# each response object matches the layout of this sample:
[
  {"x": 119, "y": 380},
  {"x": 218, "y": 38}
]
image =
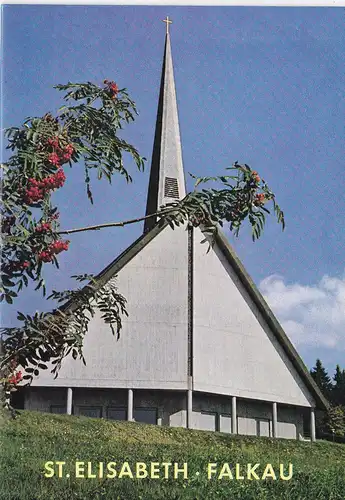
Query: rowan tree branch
[{"x": 117, "y": 224}]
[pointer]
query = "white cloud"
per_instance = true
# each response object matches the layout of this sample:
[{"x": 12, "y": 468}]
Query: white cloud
[{"x": 309, "y": 314}]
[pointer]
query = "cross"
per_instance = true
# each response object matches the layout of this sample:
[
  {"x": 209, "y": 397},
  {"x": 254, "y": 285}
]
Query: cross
[{"x": 167, "y": 21}]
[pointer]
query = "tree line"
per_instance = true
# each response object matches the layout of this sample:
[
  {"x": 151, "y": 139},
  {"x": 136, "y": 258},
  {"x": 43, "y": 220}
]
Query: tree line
[{"x": 333, "y": 388}]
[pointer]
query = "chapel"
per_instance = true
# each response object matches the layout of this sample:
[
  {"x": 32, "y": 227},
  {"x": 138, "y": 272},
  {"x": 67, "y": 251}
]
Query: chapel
[{"x": 200, "y": 348}]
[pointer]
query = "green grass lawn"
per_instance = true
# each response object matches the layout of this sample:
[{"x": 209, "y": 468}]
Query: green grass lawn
[{"x": 33, "y": 439}]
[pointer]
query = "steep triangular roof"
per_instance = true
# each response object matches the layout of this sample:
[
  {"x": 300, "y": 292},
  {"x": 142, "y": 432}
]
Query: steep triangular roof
[{"x": 229, "y": 254}]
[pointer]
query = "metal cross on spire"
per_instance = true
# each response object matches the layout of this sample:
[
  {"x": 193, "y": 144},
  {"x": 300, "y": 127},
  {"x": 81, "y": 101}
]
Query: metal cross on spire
[{"x": 167, "y": 21}]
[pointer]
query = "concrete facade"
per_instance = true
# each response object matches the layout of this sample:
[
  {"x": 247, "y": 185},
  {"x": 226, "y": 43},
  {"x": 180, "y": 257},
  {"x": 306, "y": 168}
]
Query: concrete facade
[
  {"x": 152, "y": 350},
  {"x": 168, "y": 408},
  {"x": 250, "y": 361},
  {"x": 194, "y": 352}
]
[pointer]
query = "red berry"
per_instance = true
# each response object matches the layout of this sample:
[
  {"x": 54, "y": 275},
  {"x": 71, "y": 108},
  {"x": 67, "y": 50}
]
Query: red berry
[
  {"x": 54, "y": 159},
  {"x": 259, "y": 199},
  {"x": 54, "y": 142}
]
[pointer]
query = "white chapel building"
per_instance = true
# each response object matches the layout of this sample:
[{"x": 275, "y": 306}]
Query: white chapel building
[{"x": 200, "y": 348}]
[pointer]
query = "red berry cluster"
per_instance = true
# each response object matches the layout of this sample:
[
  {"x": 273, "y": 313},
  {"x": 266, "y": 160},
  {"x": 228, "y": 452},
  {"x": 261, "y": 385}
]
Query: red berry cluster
[
  {"x": 67, "y": 152},
  {"x": 259, "y": 199},
  {"x": 59, "y": 155},
  {"x": 112, "y": 88},
  {"x": 38, "y": 189},
  {"x": 15, "y": 379},
  {"x": 54, "y": 142},
  {"x": 54, "y": 159},
  {"x": 43, "y": 228},
  {"x": 53, "y": 249},
  {"x": 256, "y": 176}
]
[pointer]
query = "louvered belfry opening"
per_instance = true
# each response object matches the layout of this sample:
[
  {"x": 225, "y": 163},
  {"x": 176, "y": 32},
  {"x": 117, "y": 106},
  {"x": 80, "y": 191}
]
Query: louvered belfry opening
[{"x": 171, "y": 188}]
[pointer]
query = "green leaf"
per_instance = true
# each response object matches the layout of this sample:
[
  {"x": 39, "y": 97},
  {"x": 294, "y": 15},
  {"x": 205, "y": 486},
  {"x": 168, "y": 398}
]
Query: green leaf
[{"x": 9, "y": 299}]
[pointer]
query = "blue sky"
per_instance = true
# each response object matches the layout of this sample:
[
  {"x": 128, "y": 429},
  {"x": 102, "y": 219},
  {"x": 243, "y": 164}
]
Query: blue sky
[{"x": 264, "y": 86}]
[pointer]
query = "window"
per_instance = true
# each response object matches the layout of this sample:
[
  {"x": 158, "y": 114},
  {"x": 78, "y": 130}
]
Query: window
[
  {"x": 171, "y": 188},
  {"x": 145, "y": 415},
  {"x": 90, "y": 411},
  {"x": 117, "y": 413},
  {"x": 58, "y": 409}
]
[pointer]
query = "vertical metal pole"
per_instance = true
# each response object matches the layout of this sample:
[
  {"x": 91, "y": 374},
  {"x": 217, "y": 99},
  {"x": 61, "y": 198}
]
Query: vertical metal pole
[{"x": 190, "y": 328}]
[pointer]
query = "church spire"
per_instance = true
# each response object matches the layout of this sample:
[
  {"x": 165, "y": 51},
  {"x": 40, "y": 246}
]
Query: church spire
[{"x": 167, "y": 182}]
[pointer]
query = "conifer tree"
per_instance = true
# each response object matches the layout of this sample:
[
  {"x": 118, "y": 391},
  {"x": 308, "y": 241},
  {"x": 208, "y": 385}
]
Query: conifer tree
[
  {"x": 322, "y": 379},
  {"x": 338, "y": 390}
]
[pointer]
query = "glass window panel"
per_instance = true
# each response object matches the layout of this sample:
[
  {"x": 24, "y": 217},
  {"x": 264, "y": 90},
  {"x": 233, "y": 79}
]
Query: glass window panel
[
  {"x": 146, "y": 415},
  {"x": 90, "y": 411},
  {"x": 58, "y": 409},
  {"x": 117, "y": 413}
]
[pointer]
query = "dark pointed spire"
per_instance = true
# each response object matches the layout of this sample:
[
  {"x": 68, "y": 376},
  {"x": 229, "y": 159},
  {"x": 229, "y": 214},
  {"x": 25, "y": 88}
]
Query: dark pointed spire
[{"x": 166, "y": 177}]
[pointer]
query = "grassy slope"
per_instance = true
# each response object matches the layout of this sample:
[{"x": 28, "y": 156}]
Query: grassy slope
[{"x": 34, "y": 438}]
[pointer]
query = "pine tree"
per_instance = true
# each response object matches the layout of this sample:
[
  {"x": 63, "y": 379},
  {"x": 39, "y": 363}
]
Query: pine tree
[
  {"x": 338, "y": 390},
  {"x": 322, "y": 379}
]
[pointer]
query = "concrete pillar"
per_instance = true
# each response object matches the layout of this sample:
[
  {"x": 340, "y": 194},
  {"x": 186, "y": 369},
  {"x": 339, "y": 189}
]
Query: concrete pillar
[
  {"x": 160, "y": 416},
  {"x": 69, "y": 401},
  {"x": 312, "y": 425},
  {"x": 233, "y": 415},
  {"x": 130, "y": 405},
  {"x": 274, "y": 420},
  {"x": 189, "y": 408}
]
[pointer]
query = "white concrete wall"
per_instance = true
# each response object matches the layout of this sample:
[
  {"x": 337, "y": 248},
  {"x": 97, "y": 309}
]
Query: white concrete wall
[
  {"x": 211, "y": 412},
  {"x": 152, "y": 350},
  {"x": 235, "y": 353},
  {"x": 254, "y": 418},
  {"x": 290, "y": 423}
]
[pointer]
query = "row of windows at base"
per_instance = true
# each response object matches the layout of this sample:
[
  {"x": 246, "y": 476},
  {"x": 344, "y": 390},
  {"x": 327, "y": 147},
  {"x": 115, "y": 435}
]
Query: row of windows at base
[
  {"x": 202, "y": 420},
  {"x": 145, "y": 415}
]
